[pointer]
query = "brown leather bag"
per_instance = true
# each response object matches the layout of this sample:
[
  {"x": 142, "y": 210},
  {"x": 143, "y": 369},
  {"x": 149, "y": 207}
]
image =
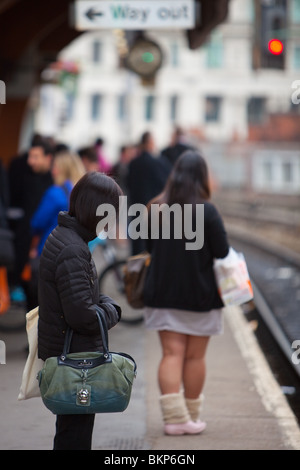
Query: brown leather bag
[{"x": 134, "y": 278}]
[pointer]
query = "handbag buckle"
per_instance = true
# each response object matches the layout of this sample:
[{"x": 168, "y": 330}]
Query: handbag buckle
[{"x": 83, "y": 396}]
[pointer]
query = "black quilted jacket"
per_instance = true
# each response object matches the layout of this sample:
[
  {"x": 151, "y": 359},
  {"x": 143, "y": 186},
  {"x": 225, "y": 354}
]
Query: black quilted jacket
[{"x": 68, "y": 292}]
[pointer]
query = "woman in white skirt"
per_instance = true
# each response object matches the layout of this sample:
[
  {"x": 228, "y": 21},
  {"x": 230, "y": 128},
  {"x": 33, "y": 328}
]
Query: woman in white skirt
[{"x": 181, "y": 296}]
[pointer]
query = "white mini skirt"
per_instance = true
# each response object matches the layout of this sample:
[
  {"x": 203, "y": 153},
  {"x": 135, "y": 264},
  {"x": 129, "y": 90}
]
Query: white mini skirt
[{"x": 184, "y": 321}]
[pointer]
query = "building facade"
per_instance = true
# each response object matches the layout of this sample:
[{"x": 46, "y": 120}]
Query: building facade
[{"x": 221, "y": 94}]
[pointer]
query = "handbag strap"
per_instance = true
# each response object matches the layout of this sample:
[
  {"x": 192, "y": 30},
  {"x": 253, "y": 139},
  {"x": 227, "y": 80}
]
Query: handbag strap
[
  {"x": 103, "y": 329},
  {"x": 103, "y": 332}
]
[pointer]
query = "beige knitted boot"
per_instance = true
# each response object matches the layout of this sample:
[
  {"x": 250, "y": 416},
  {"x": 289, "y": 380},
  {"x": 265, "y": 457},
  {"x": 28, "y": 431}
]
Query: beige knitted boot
[
  {"x": 177, "y": 420},
  {"x": 195, "y": 406}
]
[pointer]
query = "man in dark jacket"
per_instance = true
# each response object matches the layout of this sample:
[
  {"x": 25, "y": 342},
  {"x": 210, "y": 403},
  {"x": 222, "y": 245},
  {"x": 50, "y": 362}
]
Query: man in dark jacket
[
  {"x": 176, "y": 148},
  {"x": 146, "y": 179},
  {"x": 146, "y": 175},
  {"x": 4, "y": 193},
  {"x": 7, "y": 256},
  {"x": 29, "y": 178}
]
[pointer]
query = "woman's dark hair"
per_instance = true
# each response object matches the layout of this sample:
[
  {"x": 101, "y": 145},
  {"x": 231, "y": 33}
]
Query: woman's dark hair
[
  {"x": 188, "y": 182},
  {"x": 90, "y": 191}
]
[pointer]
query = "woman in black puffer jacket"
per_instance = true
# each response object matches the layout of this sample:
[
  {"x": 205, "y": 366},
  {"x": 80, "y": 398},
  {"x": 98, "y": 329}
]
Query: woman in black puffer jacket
[{"x": 68, "y": 292}]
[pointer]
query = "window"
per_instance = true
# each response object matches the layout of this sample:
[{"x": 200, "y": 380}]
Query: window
[
  {"x": 297, "y": 57},
  {"x": 287, "y": 171},
  {"x": 213, "y": 108},
  {"x": 214, "y": 53},
  {"x": 268, "y": 171},
  {"x": 256, "y": 110},
  {"x": 174, "y": 59},
  {"x": 173, "y": 107},
  {"x": 122, "y": 104},
  {"x": 295, "y": 11},
  {"x": 149, "y": 107},
  {"x": 97, "y": 51},
  {"x": 70, "y": 101},
  {"x": 294, "y": 108},
  {"x": 96, "y": 102}
]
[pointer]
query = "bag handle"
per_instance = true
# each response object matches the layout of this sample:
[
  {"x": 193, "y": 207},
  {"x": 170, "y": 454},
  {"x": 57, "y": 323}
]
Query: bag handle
[
  {"x": 103, "y": 332},
  {"x": 104, "y": 335}
]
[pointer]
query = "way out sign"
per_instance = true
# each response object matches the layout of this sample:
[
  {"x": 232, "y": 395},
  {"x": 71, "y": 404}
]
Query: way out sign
[{"x": 134, "y": 14}]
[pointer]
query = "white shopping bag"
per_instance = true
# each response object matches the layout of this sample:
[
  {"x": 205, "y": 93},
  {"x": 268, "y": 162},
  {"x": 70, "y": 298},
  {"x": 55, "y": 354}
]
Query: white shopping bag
[
  {"x": 232, "y": 279},
  {"x": 29, "y": 386}
]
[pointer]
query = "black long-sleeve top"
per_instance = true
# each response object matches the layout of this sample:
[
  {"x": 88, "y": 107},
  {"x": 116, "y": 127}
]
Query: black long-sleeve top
[{"x": 184, "y": 279}]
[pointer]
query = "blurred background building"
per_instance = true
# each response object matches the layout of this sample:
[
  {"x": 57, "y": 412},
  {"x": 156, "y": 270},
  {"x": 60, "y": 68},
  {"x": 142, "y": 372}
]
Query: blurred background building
[
  {"x": 235, "y": 96},
  {"x": 232, "y": 96}
]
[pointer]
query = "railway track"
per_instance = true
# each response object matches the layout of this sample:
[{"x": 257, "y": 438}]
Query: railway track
[
  {"x": 275, "y": 313},
  {"x": 275, "y": 273},
  {"x": 272, "y": 217}
]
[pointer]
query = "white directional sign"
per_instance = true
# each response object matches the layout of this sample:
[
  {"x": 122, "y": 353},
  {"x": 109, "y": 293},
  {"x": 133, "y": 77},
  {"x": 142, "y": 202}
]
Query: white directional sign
[{"x": 134, "y": 14}]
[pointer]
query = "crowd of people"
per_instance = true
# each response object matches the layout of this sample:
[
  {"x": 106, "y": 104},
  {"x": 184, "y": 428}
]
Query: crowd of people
[
  {"x": 56, "y": 191},
  {"x": 38, "y": 183}
]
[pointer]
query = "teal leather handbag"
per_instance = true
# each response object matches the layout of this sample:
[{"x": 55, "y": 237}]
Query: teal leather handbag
[{"x": 87, "y": 383}]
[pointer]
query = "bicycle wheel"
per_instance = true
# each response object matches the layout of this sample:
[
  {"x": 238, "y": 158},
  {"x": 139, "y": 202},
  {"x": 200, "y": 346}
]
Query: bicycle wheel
[{"x": 111, "y": 283}]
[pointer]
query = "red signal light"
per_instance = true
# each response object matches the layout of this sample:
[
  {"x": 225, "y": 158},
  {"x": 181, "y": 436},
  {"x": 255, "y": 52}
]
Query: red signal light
[{"x": 275, "y": 46}]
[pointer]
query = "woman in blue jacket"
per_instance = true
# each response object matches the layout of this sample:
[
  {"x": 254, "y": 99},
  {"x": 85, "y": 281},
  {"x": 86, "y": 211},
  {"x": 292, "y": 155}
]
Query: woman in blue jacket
[{"x": 66, "y": 171}]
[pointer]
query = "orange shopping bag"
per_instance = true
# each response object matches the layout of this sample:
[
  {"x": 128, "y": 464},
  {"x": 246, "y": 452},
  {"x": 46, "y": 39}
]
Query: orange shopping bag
[{"x": 4, "y": 291}]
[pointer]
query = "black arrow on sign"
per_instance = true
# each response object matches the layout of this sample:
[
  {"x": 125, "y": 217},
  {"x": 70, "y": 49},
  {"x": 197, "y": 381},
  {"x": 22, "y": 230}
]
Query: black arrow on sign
[{"x": 91, "y": 14}]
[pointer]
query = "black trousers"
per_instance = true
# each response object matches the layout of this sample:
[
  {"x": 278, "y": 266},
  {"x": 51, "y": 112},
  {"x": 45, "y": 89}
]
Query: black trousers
[{"x": 74, "y": 432}]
